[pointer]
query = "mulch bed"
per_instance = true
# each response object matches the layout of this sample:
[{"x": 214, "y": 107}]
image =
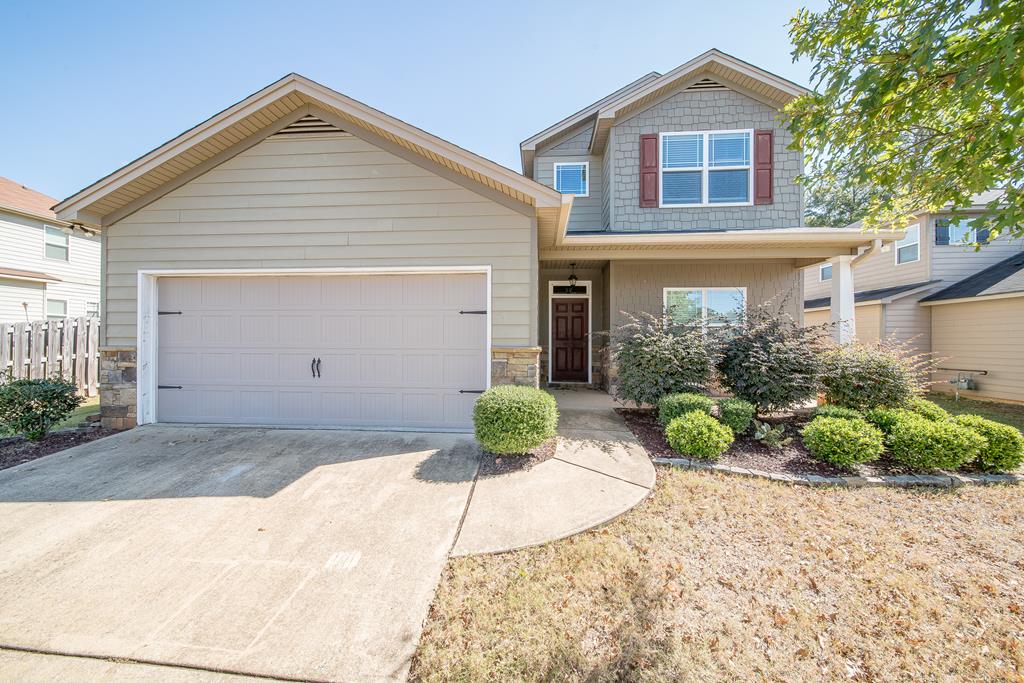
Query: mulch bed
[
  {"x": 751, "y": 454},
  {"x": 16, "y": 450},
  {"x": 494, "y": 465}
]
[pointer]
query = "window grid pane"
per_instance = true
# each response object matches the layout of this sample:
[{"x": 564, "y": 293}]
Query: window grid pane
[
  {"x": 729, "y": 149},
  {"x": 682, "y": 151},
  {"x": 826, "y": 272},
  {"x": 961, "y": 232},
  {"x": 55, "y": 251},
  {"x": 682, "y": 187},
  {"x": 571, "y": 178},
  {"x": 684, "y": 305},
  {"x": 728, "y": 187},
  {"x": 724, "y": 306}
]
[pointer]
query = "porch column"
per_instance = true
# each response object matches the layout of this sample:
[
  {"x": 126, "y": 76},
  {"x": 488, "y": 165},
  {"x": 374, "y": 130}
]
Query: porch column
[{"x": 842, "y": 304}]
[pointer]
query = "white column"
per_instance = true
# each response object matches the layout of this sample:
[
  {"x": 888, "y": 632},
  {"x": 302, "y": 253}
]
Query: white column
[{"x": 842, "y": 304}]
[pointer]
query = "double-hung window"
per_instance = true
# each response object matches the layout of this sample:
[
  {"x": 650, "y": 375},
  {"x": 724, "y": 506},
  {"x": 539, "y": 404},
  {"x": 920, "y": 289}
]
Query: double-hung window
[
  {"x": 711, "y": 168},
  {"x": 573, "y": 178},
  {"x": 712, "y": 306},
  {"x": 55, "y": 243},
  {"x": 908, "y": 249}
]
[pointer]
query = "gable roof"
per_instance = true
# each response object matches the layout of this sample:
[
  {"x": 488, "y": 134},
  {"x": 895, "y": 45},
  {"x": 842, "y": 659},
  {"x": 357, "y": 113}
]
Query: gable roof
[
  {"x": 723, "y": 69},
  {"x": 996, "y": 279},
  {"x": 280, "y": 104},
  {"x": 528, "y": 147},
  {"x": 21, "y": 199},
  {"x": 872, "y": 294}
]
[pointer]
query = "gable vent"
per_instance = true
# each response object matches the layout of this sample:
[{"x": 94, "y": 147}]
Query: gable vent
[
  {"x": 307, "y": 125},
  {"x": 707, "y": 84}
]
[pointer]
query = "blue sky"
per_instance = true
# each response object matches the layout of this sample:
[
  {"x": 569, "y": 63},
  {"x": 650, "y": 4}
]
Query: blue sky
[{"x": 89, "y": 86}]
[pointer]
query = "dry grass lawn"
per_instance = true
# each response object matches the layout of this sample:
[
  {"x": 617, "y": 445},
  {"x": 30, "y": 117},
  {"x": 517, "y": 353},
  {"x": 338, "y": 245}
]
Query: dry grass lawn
[{"x": 720, "y": 578}]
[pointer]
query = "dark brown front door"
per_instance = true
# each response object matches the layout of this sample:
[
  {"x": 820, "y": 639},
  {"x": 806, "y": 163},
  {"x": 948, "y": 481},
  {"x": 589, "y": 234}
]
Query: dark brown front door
[{"x": 570, "y": 327}]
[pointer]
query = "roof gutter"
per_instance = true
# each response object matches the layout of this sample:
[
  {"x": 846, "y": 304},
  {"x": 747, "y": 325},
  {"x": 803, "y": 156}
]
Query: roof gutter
[{"x": 876, "y": 247}]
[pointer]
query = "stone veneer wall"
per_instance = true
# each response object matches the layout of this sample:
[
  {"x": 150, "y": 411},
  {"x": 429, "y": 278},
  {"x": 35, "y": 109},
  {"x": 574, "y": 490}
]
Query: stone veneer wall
[
  {"x": 118, "y": 404},
  {"x": 516, "y": 365}
]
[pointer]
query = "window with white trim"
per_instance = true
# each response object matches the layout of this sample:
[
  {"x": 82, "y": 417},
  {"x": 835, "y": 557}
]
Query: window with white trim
[
  {"x": 56, "y": 308},
  {"x": 573, "y": 178},
  {"x": 55, "y": 243},
  {"x": 908, "y": 249},
  {"x": 825, "y": 272},
  {"x": 707, "y": 168},
  {"x": 713, "y": 306},
  {"x": 92, "y": 308}
]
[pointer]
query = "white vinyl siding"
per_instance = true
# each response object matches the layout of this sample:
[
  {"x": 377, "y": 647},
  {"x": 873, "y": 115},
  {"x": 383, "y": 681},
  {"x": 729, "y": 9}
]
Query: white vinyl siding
[
  {"x": 329, "y": 201},
  {"x": 706, "y": 168}
]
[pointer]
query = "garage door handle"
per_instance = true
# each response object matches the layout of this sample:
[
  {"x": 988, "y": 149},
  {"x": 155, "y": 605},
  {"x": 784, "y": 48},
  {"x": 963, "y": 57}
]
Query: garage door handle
[
  {"x": 317, "y": 367},
  {"x": 312, "y": 366}
]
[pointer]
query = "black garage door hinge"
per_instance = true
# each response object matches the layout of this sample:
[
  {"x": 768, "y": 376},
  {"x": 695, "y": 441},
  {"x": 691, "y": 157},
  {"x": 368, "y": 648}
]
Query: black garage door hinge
[
  {"x": 168, "y": 312},
  {"x": 472, "y": 312},
  {"x": 471, "y": 391},
  {"x": 168, "y": 386}
]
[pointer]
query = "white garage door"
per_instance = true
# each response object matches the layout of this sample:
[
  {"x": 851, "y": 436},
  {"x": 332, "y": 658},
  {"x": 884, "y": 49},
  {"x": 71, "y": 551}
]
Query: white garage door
[{"x": 393, "y": 351}]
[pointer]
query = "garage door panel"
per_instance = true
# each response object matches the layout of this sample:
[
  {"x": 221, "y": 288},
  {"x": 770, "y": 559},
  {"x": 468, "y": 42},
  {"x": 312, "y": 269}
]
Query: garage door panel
[{"x": 394, "y": 350}]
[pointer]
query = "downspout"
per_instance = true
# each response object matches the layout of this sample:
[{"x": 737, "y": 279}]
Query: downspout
[{"x": 876, "y": 246}]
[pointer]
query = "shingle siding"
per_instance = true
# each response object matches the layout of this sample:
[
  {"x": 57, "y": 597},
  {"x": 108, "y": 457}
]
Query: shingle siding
[
  {"x": 586, "y": 211},
  {"x": 702, "y": 110}
]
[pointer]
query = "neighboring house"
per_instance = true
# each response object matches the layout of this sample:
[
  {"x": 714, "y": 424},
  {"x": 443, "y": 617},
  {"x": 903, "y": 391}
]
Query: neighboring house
[
  {"x": 302, "y": 258},
  {"x": 897, "y": 292},
  {"x": 47, "y": 268}
]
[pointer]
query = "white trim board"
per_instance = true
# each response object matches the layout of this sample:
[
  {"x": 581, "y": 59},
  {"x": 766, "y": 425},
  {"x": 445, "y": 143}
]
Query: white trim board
[
  {"x": 590, "y": 325},
  {"x": 147, "y": 340}
]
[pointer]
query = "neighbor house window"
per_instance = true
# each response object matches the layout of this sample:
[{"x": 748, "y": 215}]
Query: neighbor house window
[
  {"x": 56, "y": 308},
  {"x": 706, "y": 168},
  {"x": 825, "y": 273},
  {"x": 961, "y": 231},
  {"x": 713, "y": 306},
  {"x": 573, "y": 178},
  {"x": 908, "y": 249},
  {"x": 92, "y": 308},
  {"x": 55, "y": 243}
]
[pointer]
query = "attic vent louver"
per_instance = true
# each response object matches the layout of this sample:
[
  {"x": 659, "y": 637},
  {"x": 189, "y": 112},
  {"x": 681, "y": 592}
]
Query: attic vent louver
[
  {"x": 707, "y": 84},
  {"x": 308, "y": 125}
]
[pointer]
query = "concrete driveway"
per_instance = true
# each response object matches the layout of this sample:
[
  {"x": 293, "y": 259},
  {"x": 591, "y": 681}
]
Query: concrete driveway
[{"x": 299, "y": 554}]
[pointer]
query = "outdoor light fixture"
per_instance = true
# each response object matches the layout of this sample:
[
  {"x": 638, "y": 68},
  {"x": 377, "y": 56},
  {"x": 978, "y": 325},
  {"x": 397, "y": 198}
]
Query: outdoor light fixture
[{"x": 572, "y": 278}]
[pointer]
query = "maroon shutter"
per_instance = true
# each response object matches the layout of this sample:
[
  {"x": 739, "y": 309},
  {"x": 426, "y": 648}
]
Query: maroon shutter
[
  {"x": 649, "y": 171},
  {"x": 763, "y": 166}
]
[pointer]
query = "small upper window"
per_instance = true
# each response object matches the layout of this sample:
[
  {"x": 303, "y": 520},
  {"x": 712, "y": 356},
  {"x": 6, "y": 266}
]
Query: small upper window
[
  {"x": 55, "y": 243},
  {"x": 56, "y": 308},
  {"x": 705, "y": 169},
  {"x": 825, "y": 273},
  {"x": 961, "y": 232},
  {"x": 573, "y": 178},
  {"x": 908, "y": 249}
]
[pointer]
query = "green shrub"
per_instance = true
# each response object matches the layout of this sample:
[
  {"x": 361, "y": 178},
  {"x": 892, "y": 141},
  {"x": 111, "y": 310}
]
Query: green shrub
[
  {"x": 654, "y": 356},
  {"x": 32, "y": 407},
  {"x": 1005, "y": 449},
  {"x": 698, "y": 435},
  {"x": 772, "y": 437},
  {"x": 514, "y": 419},
  {"x": 863, "y": 376},
  {"x": 923, "y": 444},
  {"x": 829, "y": 410},
  {"x": 736, "y": 414},
  {"x": 843, "y": 441},
  {"x": 770, "y": 360},
  {"x": 926, "y": 409},
  {"x": 672, "y": 406},
  {"x": 887, "y": 418}
]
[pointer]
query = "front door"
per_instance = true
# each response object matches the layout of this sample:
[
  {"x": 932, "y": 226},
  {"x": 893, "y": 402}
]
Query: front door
[{"x": 570, "y": 339}]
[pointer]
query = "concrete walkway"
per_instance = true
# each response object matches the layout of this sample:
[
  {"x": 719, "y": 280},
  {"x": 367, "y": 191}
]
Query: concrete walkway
[{"x": 598, "y": 472}]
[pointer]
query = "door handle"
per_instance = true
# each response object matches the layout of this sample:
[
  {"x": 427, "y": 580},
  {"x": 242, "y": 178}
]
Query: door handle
[
  {"x": 312, "y": 367},
  {"x": 317, "y": 367}
]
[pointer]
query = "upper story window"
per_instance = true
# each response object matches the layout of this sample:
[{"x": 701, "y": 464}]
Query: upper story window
[
  {"x": 708, "y": 168},
  {"x": 825, "y": 272},
  {"x": 908, "y": 249},
  {"x": 714, "y": 306},
  {"x": 55, "y": 243},
  {"x": 573, "y": 178},
  {"x": 961, "y": 231}
]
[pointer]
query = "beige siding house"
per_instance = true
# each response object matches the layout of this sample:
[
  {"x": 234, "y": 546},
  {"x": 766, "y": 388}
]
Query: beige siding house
[
  {"x": 304, "y": 259},
  {"x": 893, "y": 288},
  {"x": 47, "y": 268}
]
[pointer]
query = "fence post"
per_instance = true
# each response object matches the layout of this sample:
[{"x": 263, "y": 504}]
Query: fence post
[
  {"x": 36, "y": 352},
  {"x": 6, "y": 334},
  {"x": 20, "y": 352}
]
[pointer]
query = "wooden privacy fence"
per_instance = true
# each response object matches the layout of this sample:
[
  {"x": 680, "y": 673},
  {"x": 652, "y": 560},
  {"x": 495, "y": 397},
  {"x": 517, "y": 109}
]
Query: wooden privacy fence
[{"x": 68, "y": 347}]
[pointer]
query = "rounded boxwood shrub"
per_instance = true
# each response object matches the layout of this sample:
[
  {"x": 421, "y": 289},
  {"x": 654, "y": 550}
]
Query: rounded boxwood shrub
[
  {"x": 672, "y": 406},
  {"x": 32, "y": 407},
  {"x": 514, "y": 419},
  {"x": 927, "y": 409},
  {"x": 923, "y": 444},
  {"x": 1005, "y": 449},
  {"x": 829, "y": 410},
  {"x": 698, "y": 435},
  {"x": 887, "y": 418},
  {"x": 736, "y": 414},
  {"x": 843, "y": 441},
  {"x": 865, "y": 376}
]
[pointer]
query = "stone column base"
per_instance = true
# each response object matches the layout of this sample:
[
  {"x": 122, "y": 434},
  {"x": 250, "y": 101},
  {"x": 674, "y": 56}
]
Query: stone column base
[
  {"x": 515, "y": 365},
  {"x": 118, "y": 405}
]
